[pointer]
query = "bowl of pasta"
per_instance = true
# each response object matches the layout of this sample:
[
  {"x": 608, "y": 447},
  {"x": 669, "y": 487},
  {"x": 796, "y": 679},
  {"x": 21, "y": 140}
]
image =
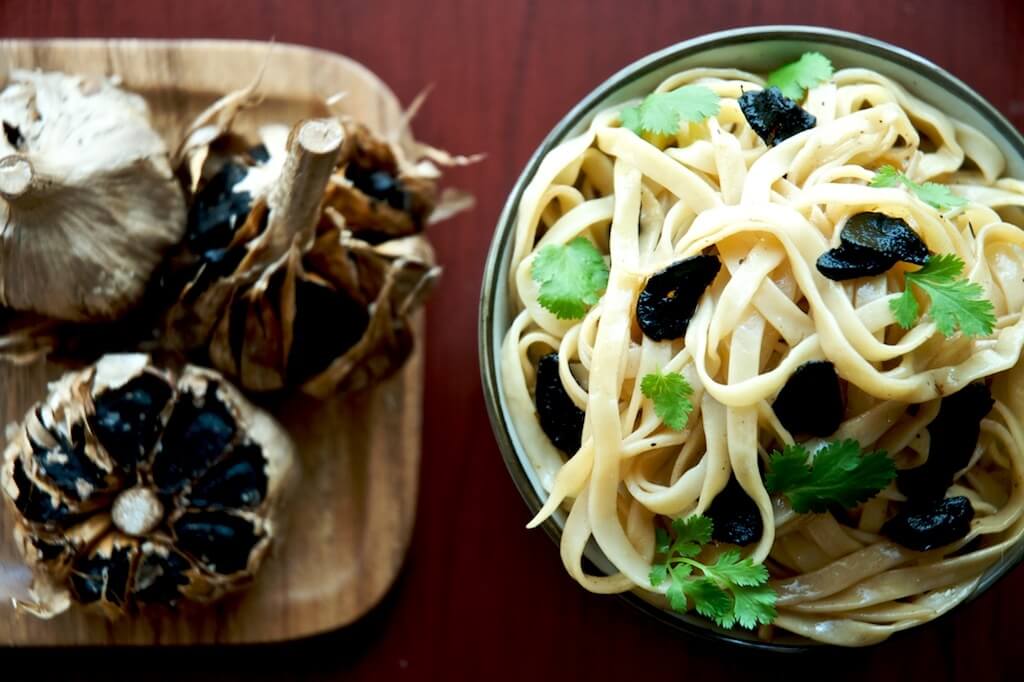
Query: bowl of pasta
[{"x": 750, "y": 336}]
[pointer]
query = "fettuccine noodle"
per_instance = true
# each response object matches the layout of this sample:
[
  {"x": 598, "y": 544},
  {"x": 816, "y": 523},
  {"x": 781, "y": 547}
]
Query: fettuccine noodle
[{"x": 768, "y": 214}]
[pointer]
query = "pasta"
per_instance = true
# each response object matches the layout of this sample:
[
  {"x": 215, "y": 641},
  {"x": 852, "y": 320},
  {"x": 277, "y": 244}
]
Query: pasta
[{"x": 768, "y": 213}]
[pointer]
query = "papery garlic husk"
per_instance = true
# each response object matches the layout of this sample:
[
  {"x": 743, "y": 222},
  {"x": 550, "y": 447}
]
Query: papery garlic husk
[
  {"x": 87, "y": 197},
  {"x": 133, "y": 486},
  {"x": 304, "y": 259}
]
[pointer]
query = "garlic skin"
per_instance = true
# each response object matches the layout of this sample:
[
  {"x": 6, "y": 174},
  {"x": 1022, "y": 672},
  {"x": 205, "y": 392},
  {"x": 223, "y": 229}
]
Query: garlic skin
[{"x": 88, "y": 201}]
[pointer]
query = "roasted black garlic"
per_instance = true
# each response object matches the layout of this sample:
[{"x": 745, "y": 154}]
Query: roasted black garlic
[
  {"x": 303, "y": 260},
  {"x": 134, "y": 486}
]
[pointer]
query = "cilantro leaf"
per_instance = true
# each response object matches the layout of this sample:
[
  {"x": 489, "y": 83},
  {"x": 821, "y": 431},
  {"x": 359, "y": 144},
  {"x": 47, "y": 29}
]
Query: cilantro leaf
[
  {"x": 710, "y": 600},
  {"x": 932, "y": 193},
  {"x": 663, "y": 112},
  {"x": 676, "y": 595},
  {"x": 691, "y": 533},
  {"x": 571, "y": 277},
  {"x": 670, "y": 393},
  {"x": 887, "y": 176},
  {"x": 754, "y": 605},
  {"x": 796, "y": 78},
  {"x": 729, "y": 591},
  {"x": 939, "y": 196},
  {"x": 662, "y": 540},
  {"x": 905, "y": 309},
  {"x": 659, "y": 574},
  {"x": 730, "y": 568},
  {"x": 956, "y": 303},
  {"x": 839, "y": 474}
]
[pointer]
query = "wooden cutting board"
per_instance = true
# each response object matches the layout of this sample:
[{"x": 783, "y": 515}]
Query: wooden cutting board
[{"x": 351, "y": 517}]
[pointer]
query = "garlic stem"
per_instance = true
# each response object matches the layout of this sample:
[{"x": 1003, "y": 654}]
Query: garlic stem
[
  {"x": 16, "y": 176},
  {"x": 313, "y": 149}
]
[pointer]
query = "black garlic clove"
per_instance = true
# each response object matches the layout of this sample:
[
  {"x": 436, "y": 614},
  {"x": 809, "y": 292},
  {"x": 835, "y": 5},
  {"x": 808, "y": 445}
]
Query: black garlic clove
[
  {"x": 127, "y": 419},
  {"x": 67, "y": 466},
  {"x": 103, "y": 575},
  {"x": 811, "y": 402},
  {"x": 850, "y": 262},
  {"x": 159, "y": 576},
  {"x": 198, "y": 432},
  {"x": 36, "y": 504},
  {"x": 736, "y": 517},
  {"x": 259, "y": 154},
  {"x": 380, "y": 185},
  {"x": 559, "y": 417},
  {"x": 885, "y": 235},
  {"x": 219, "y": 541},
  {"x": 239, "y": 481},
  {"x": 218, "y": 210},
  {"x": 953, "y": 435},
  {"x": 928, "y": 525},
  {"x": 328, "y": 322},
  {"x": 773, "y": 116},
  {"x": 670, "y": 297},
  {"x": 870, "y": 244},
  {"x": 53, "y": 550}
]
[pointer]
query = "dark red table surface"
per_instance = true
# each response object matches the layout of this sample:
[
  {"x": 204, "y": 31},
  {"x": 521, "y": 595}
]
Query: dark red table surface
[{"x": 480, "y": 596}]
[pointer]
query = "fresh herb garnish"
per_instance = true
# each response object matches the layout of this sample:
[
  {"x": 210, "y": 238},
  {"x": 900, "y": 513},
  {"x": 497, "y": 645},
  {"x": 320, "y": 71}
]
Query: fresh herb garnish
[
  {"x": 796, "y": 78},
  {"x": 662, "y": 113},
  {"x": 932, "y": 193},
  {"x": 839, "y": 474},
  {"x": 571, "y": 277},
  {"x": 730, "y": 591},
  {"x": 670, "y": 393},
  {"x": 956, "y": 304}
]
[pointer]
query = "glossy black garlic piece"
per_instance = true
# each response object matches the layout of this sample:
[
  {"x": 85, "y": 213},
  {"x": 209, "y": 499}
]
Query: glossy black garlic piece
[
  {"x": 886, "y": 235},
  {"x": 326, "y": 321},
  {"x": 870, "y": 244},
  {"x": 218, "y": 210},
  {"x": 736, "y": 517},
  {"x": 850, "y": 262},
  {"x": 670, "y": 297},
  {"x": 811, "y": 402},
  {"x": 773, "y": 116},
  {"x": 133, "y": 486},
  {"x": 379, "y": 184},
  {"x": 953, "y": 436},
  {"x": 560, "y": 419},
  {"x": 931, "y": 524}
]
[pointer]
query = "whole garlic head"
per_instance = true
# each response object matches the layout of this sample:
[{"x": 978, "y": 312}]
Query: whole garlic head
[
  {"x": 88, "y": 201},
  {"x": 133, "y": 486}
]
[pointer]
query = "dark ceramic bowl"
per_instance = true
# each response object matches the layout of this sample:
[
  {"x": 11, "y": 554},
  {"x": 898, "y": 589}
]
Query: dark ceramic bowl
[{"x": 754, "y": 49}]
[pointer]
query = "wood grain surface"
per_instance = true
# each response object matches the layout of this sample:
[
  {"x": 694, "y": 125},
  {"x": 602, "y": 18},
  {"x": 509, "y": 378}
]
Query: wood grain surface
[
  {"x": 359, "y": 455},
  {"x": 481, "y": 597}
]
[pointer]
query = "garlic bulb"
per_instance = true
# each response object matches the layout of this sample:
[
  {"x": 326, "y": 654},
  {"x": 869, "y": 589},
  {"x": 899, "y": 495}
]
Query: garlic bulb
[
  {"x": 303, "y": 259},
  {"x": 132, "y": 487},
  {"x": 87, "y": 197}
]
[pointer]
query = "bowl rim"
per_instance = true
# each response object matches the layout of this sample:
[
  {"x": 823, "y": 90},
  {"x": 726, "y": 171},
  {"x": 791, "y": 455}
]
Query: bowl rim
[{"x": 498, "y": 252}]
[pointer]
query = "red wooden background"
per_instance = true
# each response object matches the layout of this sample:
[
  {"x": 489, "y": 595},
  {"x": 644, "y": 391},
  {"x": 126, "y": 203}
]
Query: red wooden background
[{"x": 482, "y": 597}]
